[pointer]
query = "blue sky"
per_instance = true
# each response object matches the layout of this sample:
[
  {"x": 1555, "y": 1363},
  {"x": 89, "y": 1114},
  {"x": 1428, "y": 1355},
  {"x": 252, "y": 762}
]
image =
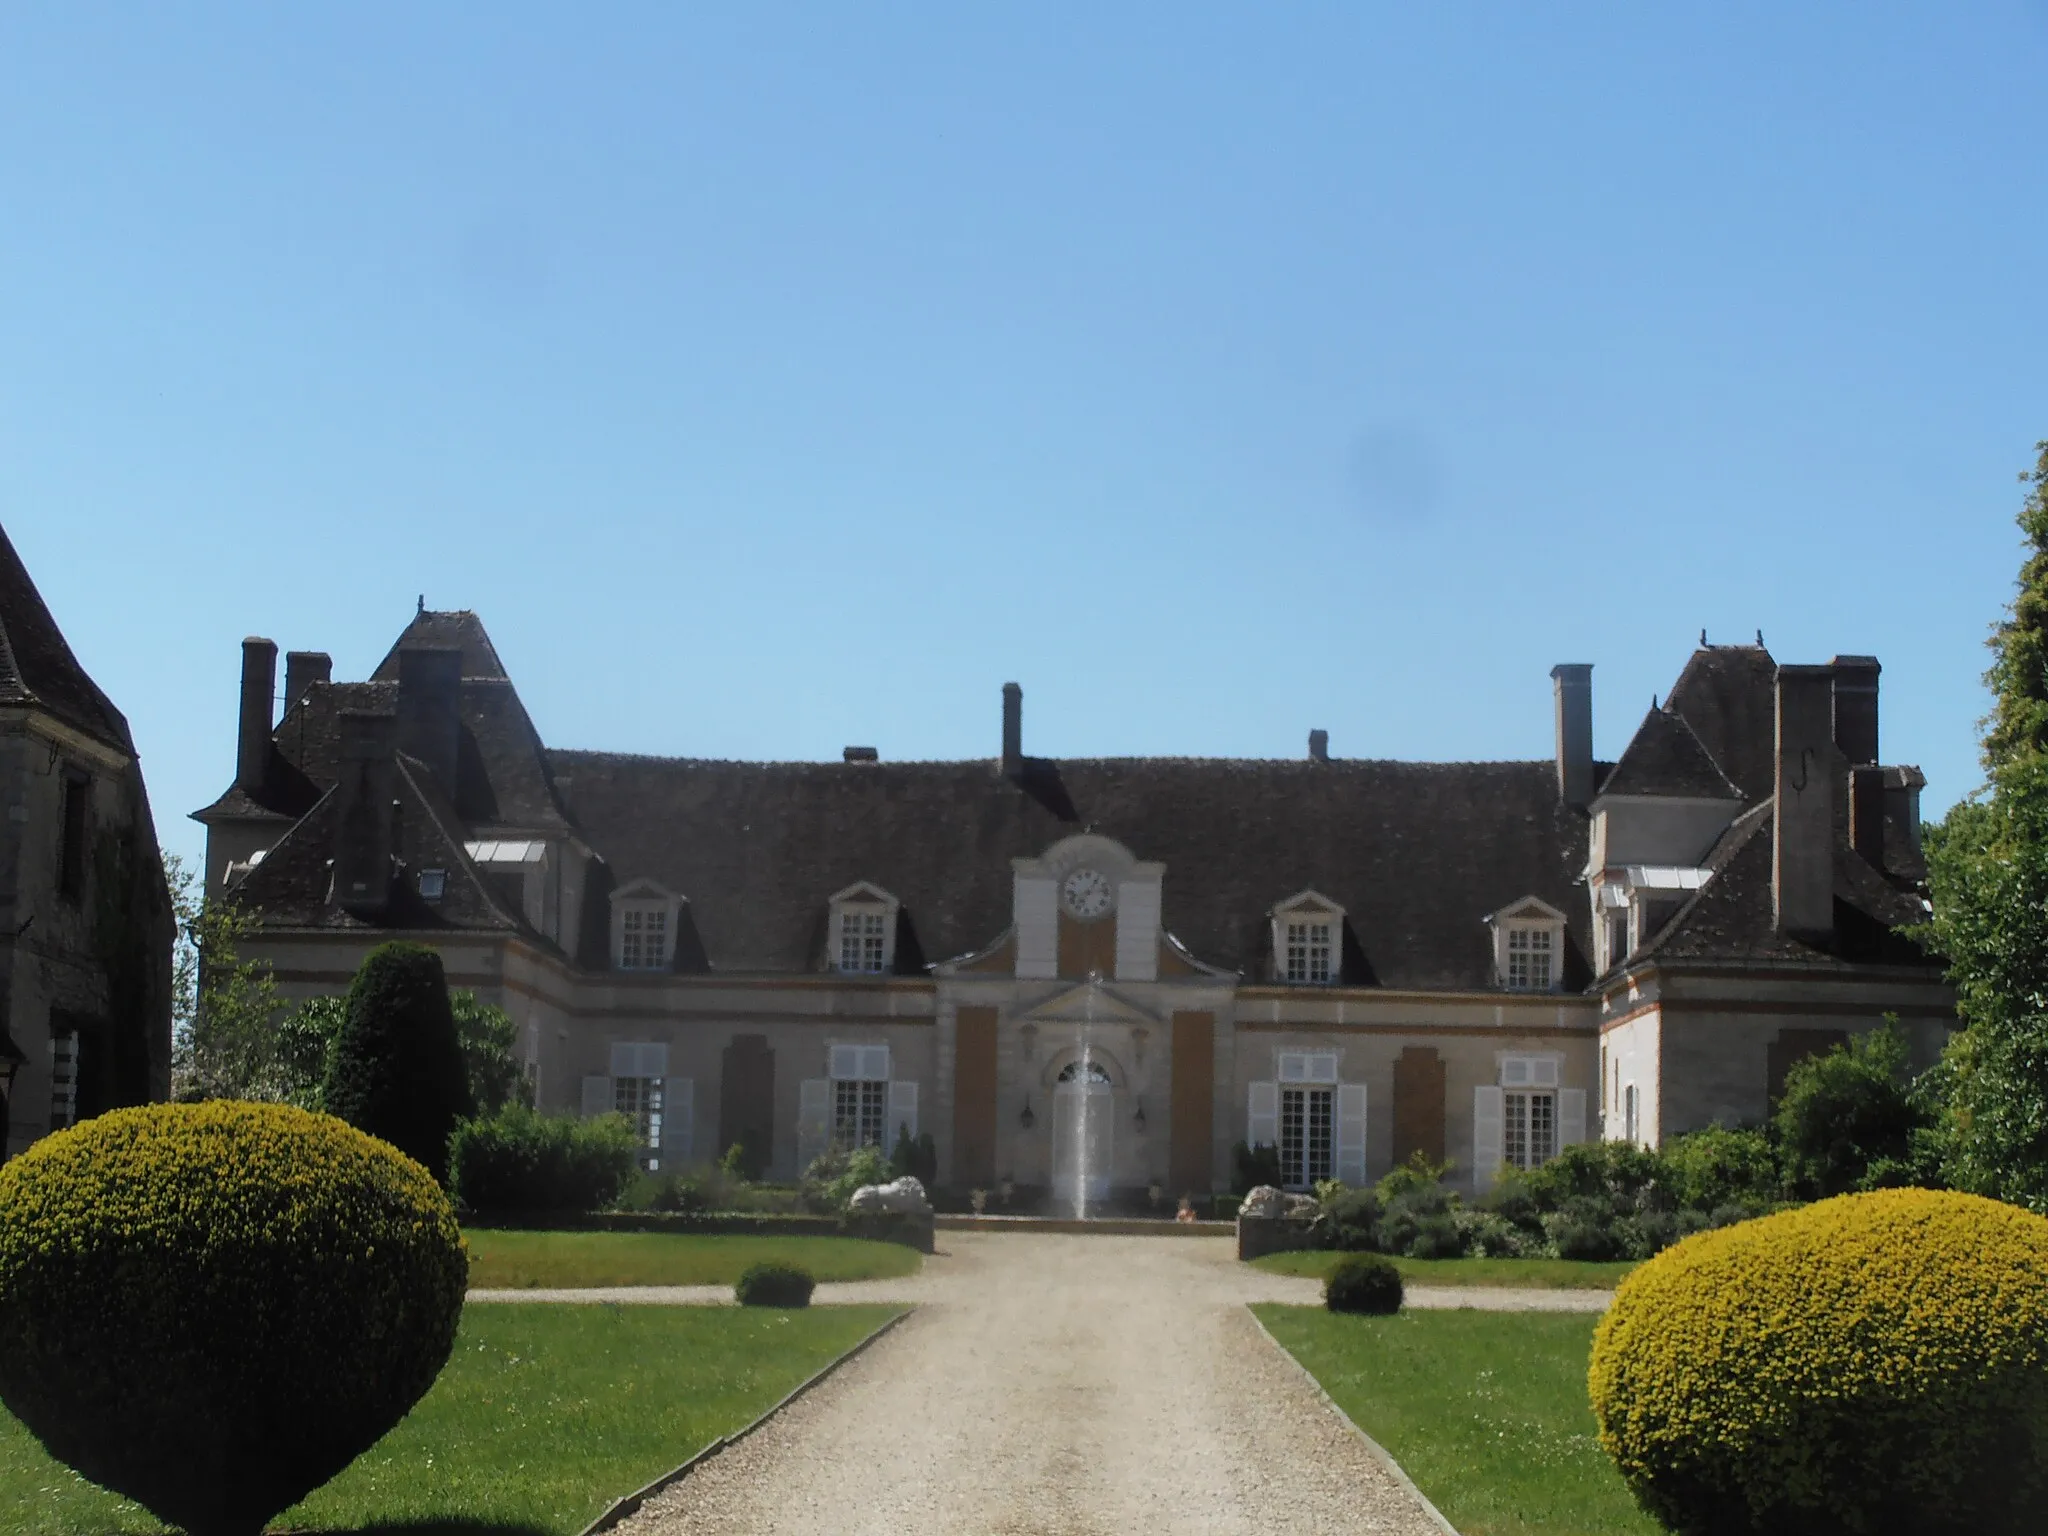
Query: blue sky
[{"x": 778, "y": 378}]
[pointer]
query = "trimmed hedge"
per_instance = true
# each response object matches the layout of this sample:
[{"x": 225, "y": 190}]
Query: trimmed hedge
[
  {"x": 774, "y": 1285},
  {"x": 1875, "y": 1363},
  {"x": 213, "y": 1308},
  {"x": 521, "y": 1161},
  {"x": 1363, "y": 1282},
  {"x": 396, "y": 1069}
]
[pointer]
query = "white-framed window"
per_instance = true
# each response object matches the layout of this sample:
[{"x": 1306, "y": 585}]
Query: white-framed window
[
  {"x": 1532, "y": 958},
  {"x": 1630, "y": 1123},
  {"x": 1307, "y": 1066},
  {"x": 860, "y": 1096},
  {"x": 863, "y": 933},
  {"x": 1308, "y": 936},
  {"x": 863, "y": 938},
  {"x": 1308, "y": 950},
  {"x": 64, "y": 1051},
  {"x": 643, "y": 936},
  {"x": 1617, "y": 938},
  {"x": 1529, "y": 1125},
  {"x": 1307, "y": 1121},
  {"x": 640, "y": 1092}
]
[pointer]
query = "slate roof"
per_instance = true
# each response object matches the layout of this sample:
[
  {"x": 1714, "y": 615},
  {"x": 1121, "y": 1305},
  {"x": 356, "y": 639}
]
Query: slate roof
[
  {"x": 37, "y": 667},
  {"x": 1728, "y": 695},
  {"x": 1665, "y": 757},
  {"x": 458, "y": 629},
  {"x": 1417, "y": 853}
]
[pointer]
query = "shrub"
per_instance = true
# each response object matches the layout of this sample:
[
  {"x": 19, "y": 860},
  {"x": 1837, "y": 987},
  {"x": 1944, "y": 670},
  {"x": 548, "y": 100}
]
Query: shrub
[
  {"x": 668, "y": 1193},
  {"x": 1717, "y": 1166},
  {"x": 489, "y": 1043},
  {"x": 1491, "y": 1236},
  {"x": 1253, "y": 1166},
  {"x": 1619, "y": 1172},
  {"x": 1349, "y": 1221},
  {"x": 1872, "y": 1363},
  {"x": 518, "y": 1160},
  {"x": 213, "y": 1308},
  {"x": 1844, "y": 1111},
  {"x": 1417, "y": 1180},
  {"x": 833, "y": 1176},
  {"x": 1579, "y": 1235},
  {"x": 1363, "y": 1282},
  {"x": 396, "y": 1069},
  {"x": 774, "y": 1285},
  {"x": 1437, "y": 1237},
  {"x": 742, "y": 1164},
  {"x": 918, "y": 1158}
]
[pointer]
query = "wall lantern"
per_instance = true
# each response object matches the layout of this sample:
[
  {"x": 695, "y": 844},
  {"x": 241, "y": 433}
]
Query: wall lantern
[
  {"x": 1138, "y": 1119},
  {"x": 1027, "y": 1119}
]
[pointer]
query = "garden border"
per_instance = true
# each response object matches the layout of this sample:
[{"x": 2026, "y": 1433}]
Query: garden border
[
  {"x": 629, "y": 1504},
  {"x": 1379, "y": 1452}
]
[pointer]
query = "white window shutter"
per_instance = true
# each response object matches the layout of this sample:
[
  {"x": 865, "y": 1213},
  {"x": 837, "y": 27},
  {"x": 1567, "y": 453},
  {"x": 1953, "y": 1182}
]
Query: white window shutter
[
  {"x": 1489, "y": 1126},
  {"x": 1137, "y": 930},
  {"x": 597, "y": 1096},
  {"x": 902, "y": 1112},
  {"x": 845, "y": 1063},
  {"x": 813, "y": 1120},
  {"x": 678, "y": 1118},
  {"x": 1262, "y": 1116},
  {"x": 1036, "y": 905},
  {"x": 874, "y": 1063},
  {"x": 1349, "y": 1162},
  {"x": 1571, "y": 1116}
]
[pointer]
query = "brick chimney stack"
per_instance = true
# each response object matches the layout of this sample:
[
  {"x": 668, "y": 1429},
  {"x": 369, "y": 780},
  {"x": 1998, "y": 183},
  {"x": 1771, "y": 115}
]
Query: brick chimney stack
[
  {"x": 259, "y": 683},
  {"x": 1013, "y": 731},
  {"x": 1855, "y": 707},
  {"x": 364, "y": 829},
  {"x": 430, "y": 709},
  {"x": 1319, "y": 746},
  {"x": 302, "y": 669},
  {"x": 1803, "y": 819}
]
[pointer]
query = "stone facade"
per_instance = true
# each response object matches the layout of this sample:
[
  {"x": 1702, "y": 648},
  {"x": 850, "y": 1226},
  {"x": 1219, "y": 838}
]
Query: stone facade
[
  {"x": 1099, "y": 976},
  {"x": 85, "y": 917}
]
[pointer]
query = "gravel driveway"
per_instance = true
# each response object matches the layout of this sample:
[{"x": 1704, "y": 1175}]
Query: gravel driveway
[{"x": 1061, "y": 1384}]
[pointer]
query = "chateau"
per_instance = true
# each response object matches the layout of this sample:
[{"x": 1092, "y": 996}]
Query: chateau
[{"x": 1106, "y": 972}]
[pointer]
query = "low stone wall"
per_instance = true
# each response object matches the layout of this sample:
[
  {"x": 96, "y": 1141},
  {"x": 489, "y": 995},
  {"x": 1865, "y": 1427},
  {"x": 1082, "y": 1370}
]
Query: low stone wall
[{"x": 1258, "y": 1236}]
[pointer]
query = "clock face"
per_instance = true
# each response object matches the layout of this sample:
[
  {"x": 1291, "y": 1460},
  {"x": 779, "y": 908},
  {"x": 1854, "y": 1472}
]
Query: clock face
[{"x": 1086, "y": 894}]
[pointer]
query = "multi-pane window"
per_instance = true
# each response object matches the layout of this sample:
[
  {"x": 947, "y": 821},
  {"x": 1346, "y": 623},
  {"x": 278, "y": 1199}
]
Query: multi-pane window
[
  {"x": 1529, "y": 1136},
  {"x": 1308, "y": 951},
  {"x": 1531, "y": 952},
  {"x": 860, "y": 1095},
  {"x": 861, "y": 936},
  {"x": 1617, "y": 938},
  {"x": 64, "y": 1080},
  {"x": 639, "y": 1099},
  {"x": 1305, "y": 1122},
  {"x": 77, "y": 792},
  {"x": 643, "y": 938}
]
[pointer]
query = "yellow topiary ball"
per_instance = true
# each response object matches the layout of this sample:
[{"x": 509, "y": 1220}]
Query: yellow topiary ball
[
  {"x": 1873, "y": 1364},
  {"x": 214, "y": 1308}
]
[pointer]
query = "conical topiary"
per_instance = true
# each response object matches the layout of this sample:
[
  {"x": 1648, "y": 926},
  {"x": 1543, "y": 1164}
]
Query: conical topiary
[{"x": 396, "y": 1070}]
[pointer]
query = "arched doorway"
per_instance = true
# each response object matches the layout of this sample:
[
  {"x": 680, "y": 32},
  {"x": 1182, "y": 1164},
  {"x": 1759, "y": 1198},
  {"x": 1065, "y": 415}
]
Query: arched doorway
[{"x": 1082, "y": 1120}]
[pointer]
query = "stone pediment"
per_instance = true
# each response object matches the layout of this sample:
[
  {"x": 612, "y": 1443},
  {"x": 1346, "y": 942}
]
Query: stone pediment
[{"x": 1072, "y": 1003}]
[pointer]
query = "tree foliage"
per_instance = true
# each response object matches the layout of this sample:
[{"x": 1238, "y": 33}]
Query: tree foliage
[
  {"x": 1845, "y": 1113},
  {"x": 396, "y": 1068},
  {"x": 224, "y": 1008},
  {"x": 1988, "y": 873}
]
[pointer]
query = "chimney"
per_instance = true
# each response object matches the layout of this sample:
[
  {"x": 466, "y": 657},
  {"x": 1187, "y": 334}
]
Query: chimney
[
  {"x": 1866, "y": 812},
  {"x": 1803, "y": 820},
  {"x": 1856, "y": 707},
  {"x": 1319, "y": 746},
  {"x": 429, "y": 709},
  {"x": 861, "y": 755},
  {"x": 1013, "y": 731},
  {"x": 302, "y": 669},
  {"x": 1573, "y": 682},
  {"x": 259, "y": 682},
  {"x": 364, "y": 831}
]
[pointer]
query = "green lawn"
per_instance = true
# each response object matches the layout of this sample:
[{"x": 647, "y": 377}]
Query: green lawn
[
  {"x": 522, "y": 1260},
  {"x": 1533, "y": 1274},
  {"x": 1485, "y": 1410},
  {"x": 544, "y": 1415}
]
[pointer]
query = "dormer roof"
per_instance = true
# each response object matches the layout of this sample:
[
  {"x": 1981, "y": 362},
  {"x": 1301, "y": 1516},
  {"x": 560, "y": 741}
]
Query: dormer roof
[{"x": 1665, "y": 758}]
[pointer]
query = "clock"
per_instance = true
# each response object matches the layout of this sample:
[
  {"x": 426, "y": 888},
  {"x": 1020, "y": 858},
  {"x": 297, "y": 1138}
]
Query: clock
[{"x": 1087, "y": 894}]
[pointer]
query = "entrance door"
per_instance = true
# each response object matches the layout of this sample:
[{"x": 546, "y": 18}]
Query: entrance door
[{"x": 1082, "y": 1118}]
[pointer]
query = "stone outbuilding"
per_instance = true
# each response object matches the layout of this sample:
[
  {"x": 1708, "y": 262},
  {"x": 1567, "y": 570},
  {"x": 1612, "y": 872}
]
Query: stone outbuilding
[{"x": 86, "y": 926}]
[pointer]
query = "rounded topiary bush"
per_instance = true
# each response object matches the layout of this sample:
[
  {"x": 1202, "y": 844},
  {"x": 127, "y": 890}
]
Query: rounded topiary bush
[
  {"x": 1363, "y": 1282},
  {"x": 214, "y": 1308},
  {"x": 1875, "y": 1363},
  {"x": 396, "y": 1068},
  {"x": 774, "y": 1285}
]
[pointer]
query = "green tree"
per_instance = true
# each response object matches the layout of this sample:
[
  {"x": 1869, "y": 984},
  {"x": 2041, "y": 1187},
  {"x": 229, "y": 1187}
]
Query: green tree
[
  {"x": 1846, "y": 1112},
  {"x": 1988, "y": 874},
  {"x": 224, "y": 1008},
  {"x": 396, "y": 1068},
  {"x": 490, "y": 1041}
]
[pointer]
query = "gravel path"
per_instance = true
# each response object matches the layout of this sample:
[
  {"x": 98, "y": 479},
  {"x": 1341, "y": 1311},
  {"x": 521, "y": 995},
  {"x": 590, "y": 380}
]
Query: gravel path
[{"x": 1055, "y": 1384}]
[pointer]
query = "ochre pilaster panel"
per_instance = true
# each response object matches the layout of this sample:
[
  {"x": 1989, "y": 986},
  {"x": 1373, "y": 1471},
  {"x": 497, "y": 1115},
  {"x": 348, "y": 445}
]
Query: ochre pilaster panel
[
  {"x": 1194, "y": 1092},
  {"x": 974, "y": 1098},
  {"x": 1418, "y": 1104},
  {"x": 1086, "y": 947}
]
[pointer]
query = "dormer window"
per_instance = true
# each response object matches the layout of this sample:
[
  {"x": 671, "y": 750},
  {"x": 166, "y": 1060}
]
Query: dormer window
[
  {"x": 644, "y": 919},
  {"x": 863, "y": 936},
  {"x": 1528, "y": 946},
  {"x": 1308, "y": 934}
]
